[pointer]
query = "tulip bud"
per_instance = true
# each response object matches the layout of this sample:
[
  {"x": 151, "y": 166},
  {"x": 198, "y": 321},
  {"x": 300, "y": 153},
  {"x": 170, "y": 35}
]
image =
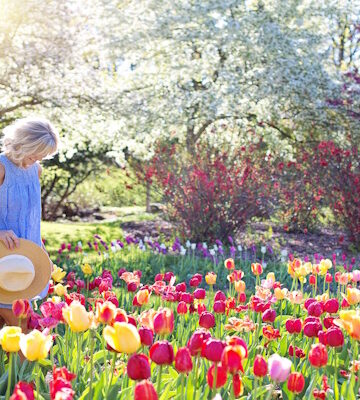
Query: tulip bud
[
  {"x": 138, "y": 367},
  {"x": 219, "y": 307},
  {"x": 232, "y": 357},
  {"x": 164, "y": 321},
  {"x": 256, "y": 269},
  {"x": 201, "y": 308},
  {"x": 221, "y": 376},
  {"x": 181, "y": 287},
  {"x": 334, "y": 337},
  {"x": 183, "y": 362},
  {"x": 269, "y": 316},
  {"x": 210, "y": 278},
  {"x": 212, "y": 350},
  {"x": 328, "y": 278},
  {"x": 182, "y": 308},
  {"x": 194, "y": 282},
  {"x": 229, "y": 264},
  {"x": 219, "y": 296},
  {"x": 328, "y": 322},
  {"x": 21, "y": 308},
  {"x": 311, "y": 329},
  {"x": 145, "y": 390},
  {"x": 146, "y": 336},
  {"x": 199, "y": 294},
  {"x": 260, "y": 366},
  {"x": 162, "y": 353},
  {"x": 105, "y": 312},
  {"x": 197, "y": 340},
  {"x": 315, "y": 309},
  {"x": 296, "y": 382},
  {"x": 318, "y": 355},
  {"x": 331, "y": 306},
  {"x": 242, "y": 297},
  {"x": 207, "y": 320},
  {"x": 312, "y": 280}
]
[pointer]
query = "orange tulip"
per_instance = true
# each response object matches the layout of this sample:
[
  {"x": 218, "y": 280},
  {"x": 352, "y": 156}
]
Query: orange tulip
[
  {"x": 256, "y": 268},
  {"x": 229, "y": 263}
]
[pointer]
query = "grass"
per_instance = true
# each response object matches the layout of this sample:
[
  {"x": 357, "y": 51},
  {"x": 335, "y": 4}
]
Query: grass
[{"x": 56, "y": 233}]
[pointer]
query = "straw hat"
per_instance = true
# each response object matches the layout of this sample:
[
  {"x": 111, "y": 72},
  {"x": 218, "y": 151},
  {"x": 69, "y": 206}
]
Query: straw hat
[{"x": 24, "y": 271}]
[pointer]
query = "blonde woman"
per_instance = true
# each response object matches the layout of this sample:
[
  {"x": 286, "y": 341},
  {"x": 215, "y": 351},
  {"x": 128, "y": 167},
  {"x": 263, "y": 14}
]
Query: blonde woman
[{"x": 25, "y": 144}]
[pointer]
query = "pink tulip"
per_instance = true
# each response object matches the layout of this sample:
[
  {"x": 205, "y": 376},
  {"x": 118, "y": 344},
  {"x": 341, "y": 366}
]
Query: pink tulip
[{"x": 279, "y": 368}]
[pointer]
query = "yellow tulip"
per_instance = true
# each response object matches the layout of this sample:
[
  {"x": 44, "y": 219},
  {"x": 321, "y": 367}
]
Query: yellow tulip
[
  {"x": 353, "y": 296},
  {"x": 210, "y": 278},
  {"x": 350, "y": 321},
  {"x": 270, "y": 276},
  {"x": 280, "y": 294},
  {"x": 60, "y": 290},
  {"x": 10, "y": 338},
  {"x": 77, "y": 317},
  {"x": 240, "y": 286},
  {"x": 35, "y": 345},
  {"x": 324, "y": 266},
  {"x": 122, "y": 337},
  {"x": 86, "y": 269},
  {"x": 58, "y": 274}
]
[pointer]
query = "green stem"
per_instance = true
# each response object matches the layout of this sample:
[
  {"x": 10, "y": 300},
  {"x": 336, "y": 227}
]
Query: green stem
[
  {"x": 112, "y": 373},
  {"x": 37, "y": 380},
  {"x": 336, "y": 387},
  {"x": 159, "y": 381},
  {"x": 91, "y": 362},
  {"x": 195, "y": 376},
  {"x": 9, "y": 376},
  {"x": 255, "y": 387},
  {"x": 215, "y": 380},
  {"x": 105, "y": 360},
  {"x": 182, "y": 386}
]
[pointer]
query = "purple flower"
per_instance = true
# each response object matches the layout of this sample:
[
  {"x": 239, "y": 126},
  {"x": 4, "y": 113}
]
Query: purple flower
[
  {"x": 218, "y": 242},
  {"x": 121, "y": 244},
  {"x": 231, "y": 240},
  {"x": 221, "y": 250},
  {"x": 232, "y": 251}
]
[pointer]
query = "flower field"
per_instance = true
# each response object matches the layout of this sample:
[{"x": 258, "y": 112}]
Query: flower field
[{"x": 142, "y": 320}]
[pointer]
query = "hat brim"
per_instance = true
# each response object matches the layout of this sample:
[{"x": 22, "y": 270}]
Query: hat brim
[{"x": 42, "y": 266}]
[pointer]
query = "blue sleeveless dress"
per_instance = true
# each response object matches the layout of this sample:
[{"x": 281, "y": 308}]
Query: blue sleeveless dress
[{"x": 20, "y": 205}]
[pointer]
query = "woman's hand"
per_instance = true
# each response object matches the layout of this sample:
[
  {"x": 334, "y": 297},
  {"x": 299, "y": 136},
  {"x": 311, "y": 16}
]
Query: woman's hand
[{"x": 9, "y": 239}]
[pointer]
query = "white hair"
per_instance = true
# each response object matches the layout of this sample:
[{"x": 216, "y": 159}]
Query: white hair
[{"x": 30, "y": 136}]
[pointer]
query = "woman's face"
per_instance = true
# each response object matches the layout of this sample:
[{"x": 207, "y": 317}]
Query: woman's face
[{"x": 28, "y": 161}]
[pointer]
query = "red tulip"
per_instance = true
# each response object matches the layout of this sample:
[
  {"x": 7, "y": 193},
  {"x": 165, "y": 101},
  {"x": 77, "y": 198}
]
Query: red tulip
[
  {"x": 197, "y": 340},
  {"x": 331, "y": 306},
  {"x": 299, "y": 353},
  {"x": 188, "y": 298},
  {"x": 260, "y": 366},
  {"x": 132, "y": 320},
  {"x": 219, "y": 295},
  {"x": 181, "y": 287},
  {"x": 221, "y": 376},
  {"x": 242, "y": 297},
  {"x": 219, "y": 307},
  {"x": 132, "y": 286},
  {"x": 212, "y": 349},
  {"x": 199, "y": 294},
  {"x": 318, "y": 355},
  {"x": 229, "y": 264},
  {"x": 312, "y": 280},
  {"x": 21, "y": 308},
  {"x": 328, "y": 278},
  {"x": 296, "y": 382},
  {"x": 207, "y": 320},
  {"x": 334, "y": 337},
  {"x": 164, "y": 321},
  {"x": 328, "y": 322},
  {"x": 237, "y": 385},
  {"x": 311, "y": 329},
  {"x": 183, "y": 362},
  {"x": 146, "y": 336},
  {"x": 232, "y": 357},
  {"x": 198, "y": 277},
  {"x": 194, "y": 282},
  {"x": 138, "y": 367},
  {"x": 162, "y": 353},
  {"x": 182, "y": 308},
  {"x": 201, "y": 308},
  {"x": 293, "y": 325},
  {"x": 308, "y": 302},
  {"x": 269, "y": 316},
  {"x": 159, "y": 277},
  {"x": 145, "y": 390},
  {"x": 236, "y": 341},
  {"x": 168, "y": 275},
  {"x": 315, "y": 309},
  {"x": 23, "y": 391}
]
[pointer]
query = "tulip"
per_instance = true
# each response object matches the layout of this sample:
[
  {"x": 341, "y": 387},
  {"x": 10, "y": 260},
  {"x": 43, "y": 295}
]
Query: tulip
[
  {"x": 183, "y": 362},
  {"x": 162, "y": 353},
  {"x": 197, "y": 340},
  {"x": 269, "y": 316},
  {"x": 138, "y": 367},
  {"x": 296, "y": 382},
  {"x": 353, "y": 296},
  {"x": 237, "y": 341},
  {"x": 188, "y": 298},
  {"x": 240, "y": 286},
  {"x": 219, "y": 296},
  {"x": 210, "y": 278},
  {"x": 164, "y": 321},
  {"x": 311, "y": 329},
  {"x": 142, "y": 296},
  {"x": 35, "y": 345},
  {"x": 23, "y": 391},
  {"x": 221, "y": 376},
  {"x": 194, "y": 281},
  {"x": 122, "y": 337},
  {"x": 229, "y": 264},
  {"x": 86, "y": 269},
  {"x": 219, "y": 307},
  {"x": 315, "y": 309},
  {"x": 145, "y": 390},
  {"x": 58, "y": 274},
  {"x": 76, "y": 316},
  {"x": 256, "y": 269},
  {"x": 120, "y": 316},
  {"x": 146, "y": 336},
  {"x": 331, "y": 306},
  {"x": 238, "y": 386},
  {"x": 279, "y": 368},
  {"x": 318, "y": 355},
  {"x": 199, "y": 294},
  {"x": 212, "y": 349},
  {"x": 328, "y": 278},
  {"x": 10, "y": 338},
  {"x": 181, "y": 287},
  {"x": 105, "y": 312},
  {"x": 334, "y": 337},
  {"x": 260, "y": 366},
  {"x": 312, "y": 280},
  {"x": 232, "y": 357},
  {"x": 201, "y": 308},
  {"x": 21, "y": 308},
  {"x": 350, "y": 321},
  {"x": 293, "y": 325},
  {"x": 207, "y": 320}
]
